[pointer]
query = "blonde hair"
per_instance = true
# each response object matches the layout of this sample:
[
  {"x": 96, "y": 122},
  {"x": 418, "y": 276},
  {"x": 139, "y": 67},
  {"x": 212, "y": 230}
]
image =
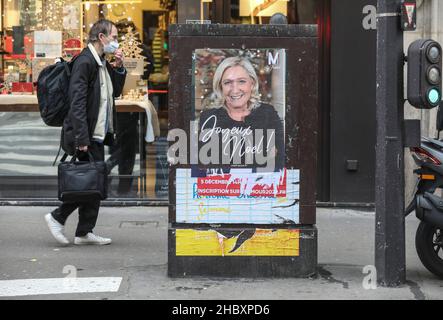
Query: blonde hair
[{"x": 219, "y": 99}]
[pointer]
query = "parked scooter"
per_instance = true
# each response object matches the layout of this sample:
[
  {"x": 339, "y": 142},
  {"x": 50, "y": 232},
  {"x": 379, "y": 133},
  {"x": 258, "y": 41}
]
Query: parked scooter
[{"x": 427, "y": 205}]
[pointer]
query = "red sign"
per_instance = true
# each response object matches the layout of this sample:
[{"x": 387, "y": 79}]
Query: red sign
[
  {"x": 22, "y": 87},
  {"x": 28, "y": 48},
  {"x": 229, "y": 186},
  {"x": 72, "y": 47}
]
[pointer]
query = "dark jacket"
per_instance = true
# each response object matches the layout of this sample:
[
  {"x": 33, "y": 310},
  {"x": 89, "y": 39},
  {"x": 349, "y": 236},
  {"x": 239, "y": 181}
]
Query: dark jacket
[{"x": 84, "y": 97}]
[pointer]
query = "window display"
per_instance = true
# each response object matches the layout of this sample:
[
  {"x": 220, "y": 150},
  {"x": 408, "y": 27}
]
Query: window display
[
  {"x": 36, "y": 32},
  {"x": 36, "y": 29}
]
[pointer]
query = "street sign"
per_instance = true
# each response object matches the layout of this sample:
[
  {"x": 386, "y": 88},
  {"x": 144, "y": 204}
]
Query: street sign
[{"x": 409, "y": 15}]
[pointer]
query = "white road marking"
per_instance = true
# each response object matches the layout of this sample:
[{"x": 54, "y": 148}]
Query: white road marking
[{"x": 27, "y": 287}]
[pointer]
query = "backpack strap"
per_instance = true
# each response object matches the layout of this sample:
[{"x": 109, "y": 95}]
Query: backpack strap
[
  {"x": 58, "y": 152},
  {"x": 63, "y": 158}
]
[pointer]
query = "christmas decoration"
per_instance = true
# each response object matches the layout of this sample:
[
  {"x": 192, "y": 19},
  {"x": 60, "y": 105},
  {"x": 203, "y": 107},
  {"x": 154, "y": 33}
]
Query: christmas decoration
[
  {"x": 130, "y": 45},
  {"x": 53, "y": 14},
  {"x": 135, "y": 95}
]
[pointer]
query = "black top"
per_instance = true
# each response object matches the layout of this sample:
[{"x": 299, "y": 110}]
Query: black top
[{"x": 264, "y": 117}]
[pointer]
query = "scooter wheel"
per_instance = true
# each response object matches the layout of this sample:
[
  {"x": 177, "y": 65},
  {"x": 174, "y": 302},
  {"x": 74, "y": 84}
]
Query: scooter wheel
[{"x": 429, "y": 246}]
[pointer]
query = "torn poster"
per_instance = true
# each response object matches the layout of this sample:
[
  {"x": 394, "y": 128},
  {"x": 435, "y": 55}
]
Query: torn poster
[
  {"x": 260, "y": 242},
  {"x": 238, "y": 196}
]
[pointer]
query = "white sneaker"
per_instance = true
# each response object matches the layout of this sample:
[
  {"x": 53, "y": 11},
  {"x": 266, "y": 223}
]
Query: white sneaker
[
  {"x": 56, "y": 228},
  {"x": 91, "y": 238}
]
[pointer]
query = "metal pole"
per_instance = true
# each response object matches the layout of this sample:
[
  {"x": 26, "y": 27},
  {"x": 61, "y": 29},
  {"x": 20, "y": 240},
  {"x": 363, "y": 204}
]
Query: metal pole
[{"x": 389, "y": 172}]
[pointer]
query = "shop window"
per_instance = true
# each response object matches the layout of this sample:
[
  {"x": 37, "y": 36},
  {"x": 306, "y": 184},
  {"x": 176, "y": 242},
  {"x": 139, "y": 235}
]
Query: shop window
[{"x": 33, "y": 34}]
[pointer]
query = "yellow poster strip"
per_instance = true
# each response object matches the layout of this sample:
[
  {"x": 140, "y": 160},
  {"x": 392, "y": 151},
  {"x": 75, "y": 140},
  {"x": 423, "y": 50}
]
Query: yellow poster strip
[{"x": 262, "y": 242}]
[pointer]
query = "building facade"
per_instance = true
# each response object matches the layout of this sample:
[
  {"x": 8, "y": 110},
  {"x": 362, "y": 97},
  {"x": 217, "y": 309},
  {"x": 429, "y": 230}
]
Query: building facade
[{"x": 34, "y": 32}]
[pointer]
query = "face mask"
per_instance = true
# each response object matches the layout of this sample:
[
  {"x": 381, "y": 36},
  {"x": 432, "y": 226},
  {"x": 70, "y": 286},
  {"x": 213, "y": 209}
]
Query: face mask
[{"x": 110, "y": 47}]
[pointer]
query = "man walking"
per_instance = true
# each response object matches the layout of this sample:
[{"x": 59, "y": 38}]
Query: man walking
[{"x": 90, "y": 123}]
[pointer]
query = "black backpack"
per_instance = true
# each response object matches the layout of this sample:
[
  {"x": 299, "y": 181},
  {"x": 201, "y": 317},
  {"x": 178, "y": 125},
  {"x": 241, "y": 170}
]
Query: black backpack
[{"x": 52, "y": 92}]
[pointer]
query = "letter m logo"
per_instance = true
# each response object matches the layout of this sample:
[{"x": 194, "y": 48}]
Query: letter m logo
[{"x": 271, "y": 59}]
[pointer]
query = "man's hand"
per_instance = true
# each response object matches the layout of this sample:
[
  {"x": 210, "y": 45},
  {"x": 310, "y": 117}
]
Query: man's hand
[
  {"x": 83, "y": 148},
  {"x": 119, "y": 57}
]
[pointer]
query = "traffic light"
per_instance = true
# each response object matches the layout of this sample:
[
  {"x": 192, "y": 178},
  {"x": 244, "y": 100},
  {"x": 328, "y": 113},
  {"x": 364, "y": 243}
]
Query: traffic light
[{"x": 424, "y": 73}]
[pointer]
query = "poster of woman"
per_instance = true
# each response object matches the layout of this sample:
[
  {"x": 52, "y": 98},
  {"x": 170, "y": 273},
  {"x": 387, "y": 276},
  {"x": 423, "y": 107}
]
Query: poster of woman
[{"x": 240, "y": 104}]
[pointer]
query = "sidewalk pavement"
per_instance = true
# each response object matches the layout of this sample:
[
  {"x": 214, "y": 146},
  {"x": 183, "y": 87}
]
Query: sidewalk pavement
[{"x": 138, "y": 255}]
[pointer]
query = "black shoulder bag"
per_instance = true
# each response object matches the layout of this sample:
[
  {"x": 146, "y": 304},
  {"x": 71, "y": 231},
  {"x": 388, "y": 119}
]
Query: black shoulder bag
[{"x": 82, "y": 180}]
